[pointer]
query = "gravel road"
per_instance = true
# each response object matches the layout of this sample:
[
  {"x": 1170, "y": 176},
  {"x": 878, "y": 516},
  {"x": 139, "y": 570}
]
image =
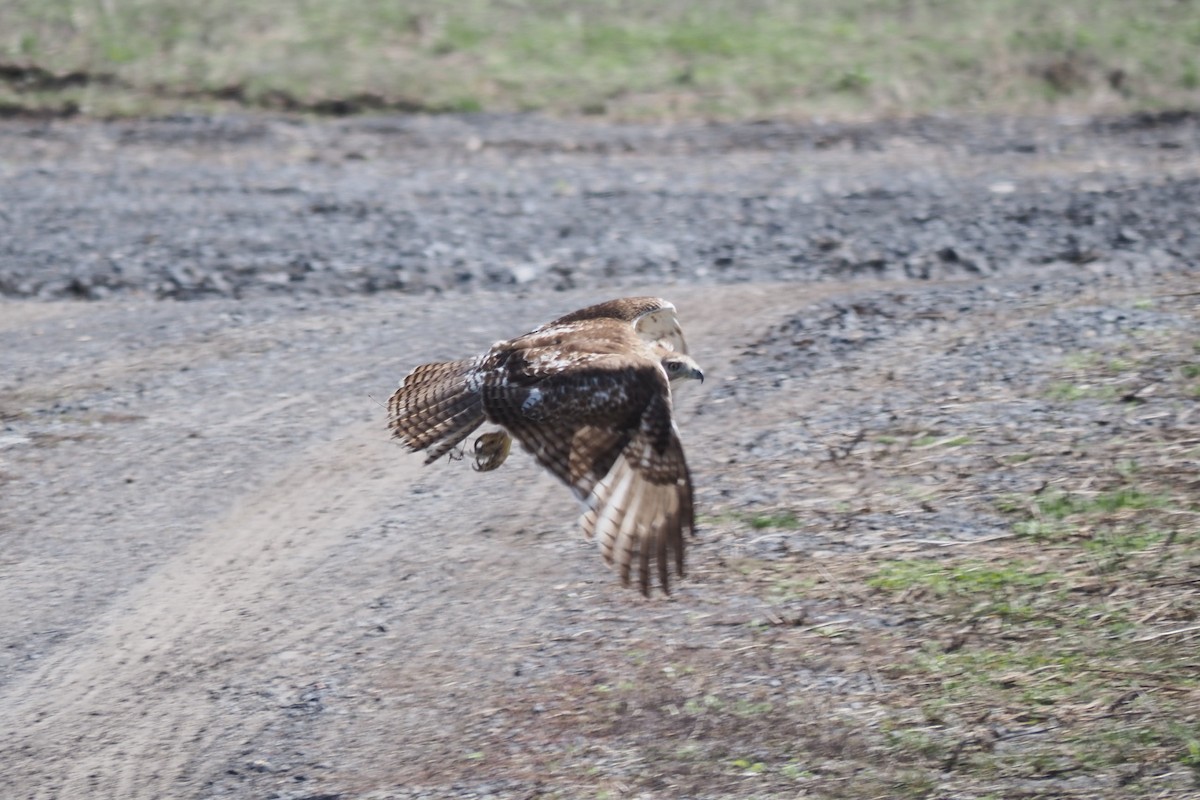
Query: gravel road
[{"x": 220, "y": 579}]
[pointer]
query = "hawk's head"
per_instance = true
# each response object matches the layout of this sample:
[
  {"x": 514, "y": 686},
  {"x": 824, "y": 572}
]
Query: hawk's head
[{"x": 680, "y": 367}]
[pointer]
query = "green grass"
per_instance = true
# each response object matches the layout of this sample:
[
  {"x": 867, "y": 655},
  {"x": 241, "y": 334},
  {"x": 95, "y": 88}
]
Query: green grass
[
  {"x": 968, "y": 577},
  {"x": 784, "y": 519},
  {"x": 763, "y": 520},
  {"x": 706, "y": 58},
  {"x": 1057, "y": 637},
  {"x": 941, "y": 441},
  {"x": 1069, "y": 392},
  {"x": 1097, "y": 519},
  {"x": 1060, "y": 505},
  {"x": 1054, "y": 660}
]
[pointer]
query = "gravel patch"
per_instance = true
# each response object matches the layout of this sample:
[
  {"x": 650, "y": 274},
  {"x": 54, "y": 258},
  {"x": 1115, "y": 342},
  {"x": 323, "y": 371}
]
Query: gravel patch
[{"x": 190, "y": 208}]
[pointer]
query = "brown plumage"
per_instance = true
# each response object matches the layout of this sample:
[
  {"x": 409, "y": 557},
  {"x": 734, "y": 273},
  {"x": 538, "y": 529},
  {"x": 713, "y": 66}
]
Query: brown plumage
[{"x": 589, "y": 395}]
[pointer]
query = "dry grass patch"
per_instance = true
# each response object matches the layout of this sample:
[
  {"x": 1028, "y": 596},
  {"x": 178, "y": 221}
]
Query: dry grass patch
[{"x": 703, "y": 58}]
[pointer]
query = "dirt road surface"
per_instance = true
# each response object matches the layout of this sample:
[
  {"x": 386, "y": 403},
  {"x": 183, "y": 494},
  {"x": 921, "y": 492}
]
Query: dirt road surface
[{"x": 219, "y": 578}]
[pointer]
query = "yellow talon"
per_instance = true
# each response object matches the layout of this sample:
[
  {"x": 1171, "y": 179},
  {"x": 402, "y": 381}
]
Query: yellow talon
[{"x": 491, "y": 450}]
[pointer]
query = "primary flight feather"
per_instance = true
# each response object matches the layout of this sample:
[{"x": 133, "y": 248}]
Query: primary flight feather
[{"x": 589, "y": 395}]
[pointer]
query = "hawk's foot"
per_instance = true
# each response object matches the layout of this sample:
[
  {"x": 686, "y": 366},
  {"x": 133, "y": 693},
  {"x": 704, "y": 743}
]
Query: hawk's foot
[{"x": 491, "y": 450}]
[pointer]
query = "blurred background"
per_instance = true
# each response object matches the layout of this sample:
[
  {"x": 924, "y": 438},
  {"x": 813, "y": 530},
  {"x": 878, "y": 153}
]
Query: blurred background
[{"x": 716, "y": 59}]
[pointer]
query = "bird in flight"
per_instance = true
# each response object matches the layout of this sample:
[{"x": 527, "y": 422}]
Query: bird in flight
[{"x": 589, "y": 395}]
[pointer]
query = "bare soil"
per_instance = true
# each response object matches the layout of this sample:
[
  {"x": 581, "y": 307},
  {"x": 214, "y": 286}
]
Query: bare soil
[{"x": 218, "y": 578}]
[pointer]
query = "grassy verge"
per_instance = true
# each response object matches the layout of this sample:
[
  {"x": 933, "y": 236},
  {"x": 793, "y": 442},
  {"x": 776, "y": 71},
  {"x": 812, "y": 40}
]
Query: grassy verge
[
  {"x": 710, "y": 58},
  {"x": 1061, "y": 656}
]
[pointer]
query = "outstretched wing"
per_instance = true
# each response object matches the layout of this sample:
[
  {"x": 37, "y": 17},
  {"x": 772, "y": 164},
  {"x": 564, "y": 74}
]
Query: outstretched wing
[
  {"x": 653, "y": 319},
  {"x": 602, "y": 424},
  {"x": 643, "y": 505},
  {"x": 661, "y": 327}
]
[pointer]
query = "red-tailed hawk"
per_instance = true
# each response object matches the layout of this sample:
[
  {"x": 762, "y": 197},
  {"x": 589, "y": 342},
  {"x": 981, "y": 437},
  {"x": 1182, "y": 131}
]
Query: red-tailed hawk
[{"x": 589, "y": 395}]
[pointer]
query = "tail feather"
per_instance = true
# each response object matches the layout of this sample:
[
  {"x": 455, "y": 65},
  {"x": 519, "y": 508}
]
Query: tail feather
[{"x": 436, "y": 407}]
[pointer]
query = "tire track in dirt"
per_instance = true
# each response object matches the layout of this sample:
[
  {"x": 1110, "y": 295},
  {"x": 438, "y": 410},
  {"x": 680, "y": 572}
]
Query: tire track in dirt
[{"x": 97, "y": 719}]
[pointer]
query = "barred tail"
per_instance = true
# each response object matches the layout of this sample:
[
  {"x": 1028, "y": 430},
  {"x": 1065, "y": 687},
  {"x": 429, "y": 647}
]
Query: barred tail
[{"x": 436, "y": 407}]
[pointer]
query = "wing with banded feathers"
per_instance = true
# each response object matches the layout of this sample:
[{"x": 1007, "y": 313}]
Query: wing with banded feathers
[{"x": 601, "y": 423}]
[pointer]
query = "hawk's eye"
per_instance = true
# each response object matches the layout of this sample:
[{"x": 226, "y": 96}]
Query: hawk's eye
[{"x": 673, "y": 366}]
